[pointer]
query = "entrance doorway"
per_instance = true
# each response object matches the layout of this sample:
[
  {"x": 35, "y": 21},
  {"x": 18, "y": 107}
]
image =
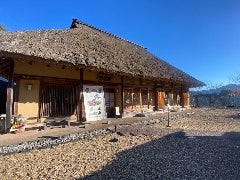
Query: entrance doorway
[
  {"x": 109, "y": 96},
  {"x": 3, "y": 96}
]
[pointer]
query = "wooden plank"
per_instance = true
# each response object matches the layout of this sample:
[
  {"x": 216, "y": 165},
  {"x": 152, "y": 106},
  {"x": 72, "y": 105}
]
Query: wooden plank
[
  {"x": 186, "y": 99},
  {"x": 60, "y": 81},
  {"x": 61, "y": 89},
  {"x": 58, "y": 98},
  {"x": 68, "y": 89},
  {"x": 161, "y": 100},
  {"x": 69, "y": 99},
  {"x": 72, "y": 99},
  {"x": 66, "y": 100},
  {"x": 63, "y": 100},
  {"x": 53, "y": 102}
]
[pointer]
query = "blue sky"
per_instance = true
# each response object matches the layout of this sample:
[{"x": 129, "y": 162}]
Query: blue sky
[{"x": 201, "y": 37}]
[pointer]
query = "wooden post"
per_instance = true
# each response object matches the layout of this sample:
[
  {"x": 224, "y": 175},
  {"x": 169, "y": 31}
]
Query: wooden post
[
  {"x": 16, "y": 97},
  {"x": 9, "y": 103},
  {"x": 181, "y": 97},
  {"x": 140, "y": 98},
  {"x": 80, "y": 100},
  {"x": 187, "y": 99},
  {"x": 132, "y": 98},
  {"x": 155, "y": 97},
  {"x": 148, "y": 99},
  {"x": 40, "y": 102},
  {"x": 122, "y": 96},
  {"x": 178, "y": 99}
]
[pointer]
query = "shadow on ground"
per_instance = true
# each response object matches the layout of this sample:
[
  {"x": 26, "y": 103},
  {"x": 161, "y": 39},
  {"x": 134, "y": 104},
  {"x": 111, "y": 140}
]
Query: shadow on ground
[
  {"x": 177, "y": 156},
  {"x": 235, "y": 116}
]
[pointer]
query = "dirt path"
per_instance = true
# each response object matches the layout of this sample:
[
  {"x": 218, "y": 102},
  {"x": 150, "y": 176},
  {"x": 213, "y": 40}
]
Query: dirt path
[{"x": 205, "y": 145}]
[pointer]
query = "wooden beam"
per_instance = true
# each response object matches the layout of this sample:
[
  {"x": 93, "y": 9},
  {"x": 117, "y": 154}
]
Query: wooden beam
[
  {"x": 55, "y": 80},
  {"x": 9, "y": 103}
]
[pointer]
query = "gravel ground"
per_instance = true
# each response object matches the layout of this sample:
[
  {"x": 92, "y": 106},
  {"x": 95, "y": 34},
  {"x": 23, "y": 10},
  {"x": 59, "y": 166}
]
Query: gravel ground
[{"x": 205, "y": 145}]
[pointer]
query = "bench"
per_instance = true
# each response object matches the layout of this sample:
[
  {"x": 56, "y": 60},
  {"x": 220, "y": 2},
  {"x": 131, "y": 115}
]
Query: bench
[{"x": 57, "y": 122}]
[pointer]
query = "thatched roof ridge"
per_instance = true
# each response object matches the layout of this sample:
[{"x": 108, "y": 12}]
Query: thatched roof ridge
[
  {"x": 90, "y": 46},
  {"x": 77, "y": 23}
]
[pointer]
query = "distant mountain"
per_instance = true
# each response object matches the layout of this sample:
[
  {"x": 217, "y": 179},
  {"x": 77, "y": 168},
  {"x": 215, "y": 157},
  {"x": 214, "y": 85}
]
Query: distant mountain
[{"x": 217, "y": 90}]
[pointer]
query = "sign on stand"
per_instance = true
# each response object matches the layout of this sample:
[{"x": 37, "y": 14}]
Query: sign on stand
[{"x": 94, "y": 103}]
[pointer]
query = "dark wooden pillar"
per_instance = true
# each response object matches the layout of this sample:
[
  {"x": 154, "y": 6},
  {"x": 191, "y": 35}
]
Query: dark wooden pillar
[
  {"x": 181, "y": 97},
  {"x": 132, "y": 94},
  {"x": 40, "y": 102},
  {"x": 9, "y": 102},
  {"x": 122, "y": 96},
  {"x": 148, "y": 96},
  {"x": 16, "y": 96},
  {"x": 80, "y": 99},
  {"x": 155, "y": 92},
  {"x": 140, "y": 99}
]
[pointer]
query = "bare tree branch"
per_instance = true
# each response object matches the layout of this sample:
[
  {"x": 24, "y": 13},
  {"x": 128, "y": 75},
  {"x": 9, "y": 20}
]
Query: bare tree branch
[{"x": 235, "y": 78}]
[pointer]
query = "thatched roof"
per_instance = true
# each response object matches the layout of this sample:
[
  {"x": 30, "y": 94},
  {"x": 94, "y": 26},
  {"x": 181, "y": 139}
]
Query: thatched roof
[{"x": 89, "y": 46}]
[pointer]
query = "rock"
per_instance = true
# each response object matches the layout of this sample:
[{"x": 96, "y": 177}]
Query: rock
[
  {"x": 139, "y": 115},
  {"x": 113, "y": 140}
]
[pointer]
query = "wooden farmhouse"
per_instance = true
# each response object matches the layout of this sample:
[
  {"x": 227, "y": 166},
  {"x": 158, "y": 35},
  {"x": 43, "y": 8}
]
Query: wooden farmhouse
[{"x": 87, "y": 74}]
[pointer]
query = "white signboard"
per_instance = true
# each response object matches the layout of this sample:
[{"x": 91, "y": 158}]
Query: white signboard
[{"x": 94, "y": 103}]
